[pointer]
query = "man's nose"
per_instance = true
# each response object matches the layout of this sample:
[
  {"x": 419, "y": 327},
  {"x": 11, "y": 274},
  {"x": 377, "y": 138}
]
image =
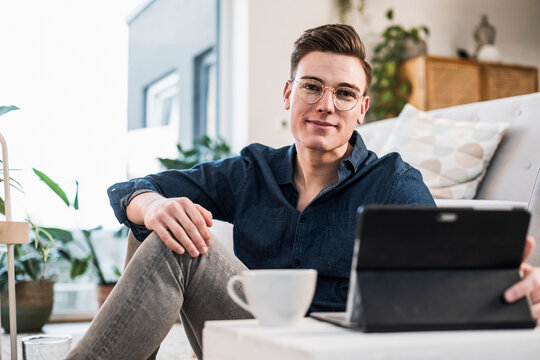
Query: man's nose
[{"x": 326, "y": 103}]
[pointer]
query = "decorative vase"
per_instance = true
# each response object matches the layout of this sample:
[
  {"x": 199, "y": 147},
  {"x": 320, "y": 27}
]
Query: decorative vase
[
  {"x": 34, "y": 305},
  {"x": 103, "y": 291}
]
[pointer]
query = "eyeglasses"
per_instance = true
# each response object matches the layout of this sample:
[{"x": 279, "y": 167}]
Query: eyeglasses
[{"x": 311, "y": 91}]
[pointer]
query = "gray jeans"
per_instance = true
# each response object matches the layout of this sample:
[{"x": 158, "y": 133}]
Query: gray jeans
[{"x": 156, "y": 286}]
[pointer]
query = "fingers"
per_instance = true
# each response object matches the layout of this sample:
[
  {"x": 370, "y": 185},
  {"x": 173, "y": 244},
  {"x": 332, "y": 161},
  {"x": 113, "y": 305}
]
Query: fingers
[
  {"x": 530, "y": 284},
  {"x": 529, "y": 247},
  {"x": 192, "y": 231},
  {"x": 205, "y": 213},
  {"x": 169, "y": 241},
  {"x": 536, "y": 313},
  {"x": 181, "y": 225}
]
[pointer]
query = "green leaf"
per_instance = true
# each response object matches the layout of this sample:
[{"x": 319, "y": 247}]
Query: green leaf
[
  {"x": 2, "y": 206},
  {"x": 52, "y": 185},
  {"x": 88, "y": 232},
  {"x": 388, "y": 96},
  {"x": 42, "y": 231},
  {"x": 64, "y": 236},
  {"x": 79, "y": 267},
  {"x": 6, "y": 109},
  {"x": 31, "y": 265},
  {"x": 76, "y": 201},
  {"x": 192, "y": 152},
  {"x": 3, "y": 280},
  {"x": 122, "y": 232},
  {"x": 117, "y": 271},
  {"x": 390, "y": 14},
  {"x": 18, "y": 251},
  {"x": 13, "y": 183},
  {"x": 390, "y": 68},
  {"x": 64, "y": 254}
]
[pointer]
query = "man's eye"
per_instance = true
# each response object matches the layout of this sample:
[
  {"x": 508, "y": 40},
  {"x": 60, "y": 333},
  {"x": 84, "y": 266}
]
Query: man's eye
[
  {"x": 346, "y": 94},
  {"x": 312, "y": 87}
]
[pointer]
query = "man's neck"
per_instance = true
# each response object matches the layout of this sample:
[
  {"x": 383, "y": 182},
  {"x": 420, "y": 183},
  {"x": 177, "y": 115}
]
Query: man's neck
[{"x": 314, "y": 170}]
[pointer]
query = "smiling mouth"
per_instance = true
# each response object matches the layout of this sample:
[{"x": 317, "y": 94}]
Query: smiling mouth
[{"x": 321, "y": 123}]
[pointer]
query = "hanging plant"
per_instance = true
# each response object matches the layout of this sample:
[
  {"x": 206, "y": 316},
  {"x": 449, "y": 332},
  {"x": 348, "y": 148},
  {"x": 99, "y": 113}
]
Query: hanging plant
[{"x": 344, "y": 7}]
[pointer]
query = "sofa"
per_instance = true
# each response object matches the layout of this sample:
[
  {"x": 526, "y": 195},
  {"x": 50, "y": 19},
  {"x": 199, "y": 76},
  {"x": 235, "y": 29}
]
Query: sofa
[
  {"x": 509, "y": 179},
  {"x": 510, "y": 176}
]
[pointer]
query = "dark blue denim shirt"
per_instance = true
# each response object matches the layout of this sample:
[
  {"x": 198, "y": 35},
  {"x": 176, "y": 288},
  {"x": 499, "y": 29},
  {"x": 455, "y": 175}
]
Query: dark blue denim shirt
[{"x": 255, "y": 191}]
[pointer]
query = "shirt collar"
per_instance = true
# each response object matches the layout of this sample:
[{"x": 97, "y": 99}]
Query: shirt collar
[
  {"x": 356, "y": 158},
  {"x": 359, "y": 153}
]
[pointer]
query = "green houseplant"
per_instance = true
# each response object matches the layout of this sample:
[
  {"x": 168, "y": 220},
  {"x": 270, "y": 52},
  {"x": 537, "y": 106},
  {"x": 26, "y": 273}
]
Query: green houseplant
[
  {"x": 35, "y": 272},
  {"x": 390, "y": 92},
  {"x": 89, "y": 260},
  {"x": 34, "y": 289},
  {"x": 204, "y": 149},
  {"x": 38, "y": 263}
]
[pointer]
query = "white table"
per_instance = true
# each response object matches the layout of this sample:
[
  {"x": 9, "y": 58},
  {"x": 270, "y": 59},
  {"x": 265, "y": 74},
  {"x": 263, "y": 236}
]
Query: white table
[{"x": 315, "y": 340}]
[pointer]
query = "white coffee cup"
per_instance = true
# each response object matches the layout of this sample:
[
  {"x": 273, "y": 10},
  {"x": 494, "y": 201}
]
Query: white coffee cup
[{"x": 275, "y": 297}]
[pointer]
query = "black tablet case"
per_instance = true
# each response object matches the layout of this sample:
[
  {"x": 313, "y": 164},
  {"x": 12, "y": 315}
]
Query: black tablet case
[{"x": 427, "y": 268}]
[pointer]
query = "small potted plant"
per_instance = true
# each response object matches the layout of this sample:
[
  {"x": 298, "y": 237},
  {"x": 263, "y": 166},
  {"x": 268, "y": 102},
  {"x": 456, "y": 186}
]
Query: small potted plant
[
  {"x": 204, "y": 149},
  {"x": 35, "y": 273},
  {"x": 390, "y": 92}
]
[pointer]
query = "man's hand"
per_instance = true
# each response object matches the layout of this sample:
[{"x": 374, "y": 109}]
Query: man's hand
[
  {"x": 529, "y": 285},
  {"x": 180, "y": 224}
]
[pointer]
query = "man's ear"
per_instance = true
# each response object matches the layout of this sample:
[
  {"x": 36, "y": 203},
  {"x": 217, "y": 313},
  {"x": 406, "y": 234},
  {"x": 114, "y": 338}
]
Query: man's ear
[
  {"x": 364, "y": 106},
  {"x": 287, "y": 94}
]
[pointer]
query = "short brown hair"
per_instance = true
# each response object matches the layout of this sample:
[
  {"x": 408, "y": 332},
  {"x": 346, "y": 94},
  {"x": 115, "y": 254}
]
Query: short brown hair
[{"x": 334, "y": 38}]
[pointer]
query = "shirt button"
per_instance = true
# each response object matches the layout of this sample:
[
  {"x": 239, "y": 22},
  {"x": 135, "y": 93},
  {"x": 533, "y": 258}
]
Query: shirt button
[{"x": 303, "y": 219}]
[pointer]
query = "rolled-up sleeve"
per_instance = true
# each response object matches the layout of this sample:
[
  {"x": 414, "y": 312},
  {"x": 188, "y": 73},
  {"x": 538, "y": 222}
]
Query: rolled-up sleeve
[{"x": 213, "y": 185}]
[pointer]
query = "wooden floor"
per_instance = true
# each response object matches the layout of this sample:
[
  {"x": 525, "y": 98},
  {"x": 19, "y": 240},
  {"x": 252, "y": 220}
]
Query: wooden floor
[{"x": 174, "y": 347}]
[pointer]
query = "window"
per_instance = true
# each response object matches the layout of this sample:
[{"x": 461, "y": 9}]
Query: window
[
  {"x": 159, "y": 135},
  {"x": 205, "y": 95},
  {"x": 163, "y": 102}
]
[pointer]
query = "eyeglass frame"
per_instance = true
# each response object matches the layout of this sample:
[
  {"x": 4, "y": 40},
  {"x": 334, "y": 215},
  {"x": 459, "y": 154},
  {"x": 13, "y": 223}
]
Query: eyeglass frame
[{"x": 331, "y": 88}]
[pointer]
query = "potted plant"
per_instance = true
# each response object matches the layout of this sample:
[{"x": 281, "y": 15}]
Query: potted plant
[
  {"x": 89, "y": 260},
  {"x": 344, "y": 7},
  {"x": 35, "y": 272},
  {"x": 204, "y": 149},
  {"x": 389, "y": 91},
  {"x": 36, "y": 263}
]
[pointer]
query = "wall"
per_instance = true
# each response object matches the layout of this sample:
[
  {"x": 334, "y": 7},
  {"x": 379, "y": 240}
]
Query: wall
[
  {"x": 158, "y": 45},
  {"x": 275, "y": 25}
]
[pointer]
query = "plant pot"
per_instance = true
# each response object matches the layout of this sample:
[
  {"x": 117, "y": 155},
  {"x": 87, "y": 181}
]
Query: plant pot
[
  {"x": 34, "y": 300},
  {"x": 103, "y": 291},
  {"x": 414, "y": 48}
]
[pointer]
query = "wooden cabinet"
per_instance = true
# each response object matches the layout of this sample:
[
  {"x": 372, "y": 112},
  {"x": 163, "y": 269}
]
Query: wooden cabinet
[{"x": 441, "y": 81}]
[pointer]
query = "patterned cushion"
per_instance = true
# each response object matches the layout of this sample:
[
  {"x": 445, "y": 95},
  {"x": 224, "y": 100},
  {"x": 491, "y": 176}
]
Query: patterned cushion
[{"x": 451, "y": 155}]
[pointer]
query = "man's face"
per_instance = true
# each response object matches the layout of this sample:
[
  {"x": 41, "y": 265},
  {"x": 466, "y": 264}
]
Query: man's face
[{"x": 321, "y": 126}]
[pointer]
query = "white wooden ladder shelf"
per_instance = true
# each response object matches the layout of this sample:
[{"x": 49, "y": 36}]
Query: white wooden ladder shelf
[{"x": 11, "y": 233}]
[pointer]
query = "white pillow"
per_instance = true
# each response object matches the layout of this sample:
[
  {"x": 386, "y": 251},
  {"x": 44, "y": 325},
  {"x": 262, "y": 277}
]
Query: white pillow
[{"x": 451, "y": 155}]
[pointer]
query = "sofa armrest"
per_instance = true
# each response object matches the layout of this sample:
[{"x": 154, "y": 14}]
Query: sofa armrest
[{"x": 481, "y": 204}]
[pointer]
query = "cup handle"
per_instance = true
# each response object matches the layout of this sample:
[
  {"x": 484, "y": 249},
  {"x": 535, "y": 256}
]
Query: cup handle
[{"x": 234, "y": 295}]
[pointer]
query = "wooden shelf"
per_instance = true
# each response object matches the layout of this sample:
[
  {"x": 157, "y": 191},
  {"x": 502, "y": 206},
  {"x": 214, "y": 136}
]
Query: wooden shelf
[{"x": 439, "y": 82}]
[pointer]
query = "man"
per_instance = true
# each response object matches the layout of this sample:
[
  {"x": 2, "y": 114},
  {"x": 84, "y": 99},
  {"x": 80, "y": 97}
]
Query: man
[{"x": 293, "y": 207}]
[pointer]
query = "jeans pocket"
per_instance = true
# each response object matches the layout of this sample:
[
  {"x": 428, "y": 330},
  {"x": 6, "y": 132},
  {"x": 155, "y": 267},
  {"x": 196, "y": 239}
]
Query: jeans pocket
[
  {"x": 259, "y": 235},
  {"x": 335, "y": 254}
]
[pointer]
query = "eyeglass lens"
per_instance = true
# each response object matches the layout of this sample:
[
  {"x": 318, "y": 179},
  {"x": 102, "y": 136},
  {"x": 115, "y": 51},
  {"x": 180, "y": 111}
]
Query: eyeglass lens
[{"x": 311, "y": 91}]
